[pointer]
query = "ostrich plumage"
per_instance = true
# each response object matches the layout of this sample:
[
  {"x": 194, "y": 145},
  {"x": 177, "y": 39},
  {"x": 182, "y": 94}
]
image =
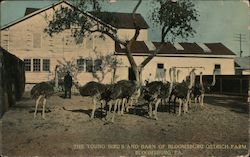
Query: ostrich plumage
[
  {"x": 41, "y": 92},
  {"x": 154, "y": 92}
]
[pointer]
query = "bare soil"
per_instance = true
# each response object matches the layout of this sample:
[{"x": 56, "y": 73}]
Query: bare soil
[{"x": 221, "y": 129}]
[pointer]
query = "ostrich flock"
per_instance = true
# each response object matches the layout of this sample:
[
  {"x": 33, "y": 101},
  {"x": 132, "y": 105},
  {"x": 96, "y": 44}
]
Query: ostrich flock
[{"x": 126, "y": 94}]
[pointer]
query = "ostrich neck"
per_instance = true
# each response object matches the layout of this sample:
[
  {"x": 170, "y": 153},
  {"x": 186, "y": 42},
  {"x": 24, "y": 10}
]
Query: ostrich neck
[
  {"x": 201, "y": 83},
  {"x": 214, "y": 80}
]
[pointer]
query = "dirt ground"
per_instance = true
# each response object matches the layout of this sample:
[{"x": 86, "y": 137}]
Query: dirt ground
[{"x": 221, "y": 129}]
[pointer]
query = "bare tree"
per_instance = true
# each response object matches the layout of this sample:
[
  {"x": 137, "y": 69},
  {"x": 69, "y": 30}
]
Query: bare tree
[{"x": 175, "y": 18}]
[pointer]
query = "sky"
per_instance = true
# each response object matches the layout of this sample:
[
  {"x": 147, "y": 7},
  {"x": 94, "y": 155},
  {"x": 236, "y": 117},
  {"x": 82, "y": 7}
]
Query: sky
[{"x": 219, "y": 21}]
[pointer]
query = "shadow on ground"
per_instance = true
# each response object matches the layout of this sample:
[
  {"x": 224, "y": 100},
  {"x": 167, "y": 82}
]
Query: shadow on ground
[{"x": 234, "y": 104}]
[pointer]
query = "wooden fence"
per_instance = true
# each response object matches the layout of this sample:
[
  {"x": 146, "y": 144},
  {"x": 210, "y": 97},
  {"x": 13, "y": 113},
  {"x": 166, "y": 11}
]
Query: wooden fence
[
  {"x": 12, "y": 80},
  {"x": 229, "y": 84}
]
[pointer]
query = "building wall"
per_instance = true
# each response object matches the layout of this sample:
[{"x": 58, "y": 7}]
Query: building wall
[
  {"x": 246, "y": 72},
  {"x": 227, "y": 66},
  {"x": 126, "y": 34}
]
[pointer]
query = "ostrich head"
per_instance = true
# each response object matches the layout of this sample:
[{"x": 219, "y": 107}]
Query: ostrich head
[{"x": 77, "y": 84}]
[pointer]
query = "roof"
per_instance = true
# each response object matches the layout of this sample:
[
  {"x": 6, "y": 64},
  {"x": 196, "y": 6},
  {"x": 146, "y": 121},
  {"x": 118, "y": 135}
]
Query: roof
[
  {"x": 243, "y": 62},
  {"x": 34, "y": 11},
  {"x": 9, "y": 57},
  {"x": 121, "y": 20},
  {"x": 140, "y": 48},
  {"x": 115, "y": 19}
]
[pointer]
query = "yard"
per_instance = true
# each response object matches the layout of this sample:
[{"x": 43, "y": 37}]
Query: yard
[{"x": 221, "y": 129}]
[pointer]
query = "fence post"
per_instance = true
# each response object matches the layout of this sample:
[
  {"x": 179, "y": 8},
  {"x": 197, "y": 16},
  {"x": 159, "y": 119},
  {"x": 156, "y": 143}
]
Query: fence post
[
  {"x": 220, "y": 85},
  {"x": 248, "y": 99}
]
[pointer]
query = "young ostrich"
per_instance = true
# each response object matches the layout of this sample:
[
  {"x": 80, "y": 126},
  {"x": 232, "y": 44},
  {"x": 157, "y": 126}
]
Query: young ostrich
[
  {"x": 182, "y": 92},
  {"x": 199, "y": 89},
  {"x": 121, "y": 92},
  {"x": 155, "y": 92},
  {"x": 41, "y": 92},
  {"x": 98, "y": 91}
]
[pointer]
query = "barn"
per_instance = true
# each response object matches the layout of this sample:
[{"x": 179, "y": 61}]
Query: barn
[
  {"x": 12, "y": 80},
  {"x": 41, "y": 53}
]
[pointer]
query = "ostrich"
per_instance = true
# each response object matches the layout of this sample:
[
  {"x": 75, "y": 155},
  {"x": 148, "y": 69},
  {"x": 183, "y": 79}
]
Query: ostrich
[
  {"x": 199, "y": 89},
  {"x": 98, "y": 91},
  {"x": 121, "y": 92},
  {"x": 182, "y": 92},
  {"x": 41, "y": 92},
  {"x": 156, "y": 91}
]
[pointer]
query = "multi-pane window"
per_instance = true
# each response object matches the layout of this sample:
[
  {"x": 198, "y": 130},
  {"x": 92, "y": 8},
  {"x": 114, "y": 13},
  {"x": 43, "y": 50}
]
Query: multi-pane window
[
  {"x": 36, "y": 65},
  {"x": 27, "y": 64},
  {"x": 97, "y": 65},
  {"x": 89, "y": 65},
  {"x": 46, "y": 65},
  {"x": 80, "y": 64},
  {"x": 217, "y": 69},
  {"x": 37, "y": 40}
]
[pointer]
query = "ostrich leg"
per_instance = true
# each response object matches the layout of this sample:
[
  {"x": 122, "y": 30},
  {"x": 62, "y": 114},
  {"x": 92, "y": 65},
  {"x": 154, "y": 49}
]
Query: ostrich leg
[
  {"x": 180, "y": 103},
  {"x": 150, "y": 109},
  {"x": 202, "y": 100},
  {"x": 156, "y": 107},
  {"x": 129, "y": 104},
  {"x": 94, "y": 108},
  {"x": 115, "y": 107},
  {"x": 187, "y": 102},
  {"x": 44, "y": 103},
  {"x": 185, "y": 106},
  {"x": 37, "y": 103},
  {"x": 195, "y": 102},
  {"x": 123, "y": 105},
  {"x": 119, "y": 105}
]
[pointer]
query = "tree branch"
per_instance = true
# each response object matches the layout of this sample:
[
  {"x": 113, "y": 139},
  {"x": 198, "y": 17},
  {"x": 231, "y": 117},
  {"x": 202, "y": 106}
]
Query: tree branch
[
  {"x": 137, "y": 29},
  {"x": 151, "y": 56},
  {"x": 164, "y": 32},
  {"x": 134, "y": 38},
  {"x": 112, "y": 36}
]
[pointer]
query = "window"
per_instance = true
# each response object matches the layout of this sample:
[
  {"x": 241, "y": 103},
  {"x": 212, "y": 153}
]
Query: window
[
  {"x": 37, "y": 40},
  {"x": 89, "y": 65},
  {"x": 98, "y": 65},
  {"x": 27, "y": 64},
  {"x": 217, "y": 69},
  {"x": 80, "y": 64},
  {"x": 160, "y": 66},
  {"x": 36, "y": 65},
  {"x": 160, "y": 72},
  {"x": 46, "y": 65}
]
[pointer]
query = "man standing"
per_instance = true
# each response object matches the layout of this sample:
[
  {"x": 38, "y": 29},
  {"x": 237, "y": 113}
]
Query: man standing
[{"x": 67, "y": 85}]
